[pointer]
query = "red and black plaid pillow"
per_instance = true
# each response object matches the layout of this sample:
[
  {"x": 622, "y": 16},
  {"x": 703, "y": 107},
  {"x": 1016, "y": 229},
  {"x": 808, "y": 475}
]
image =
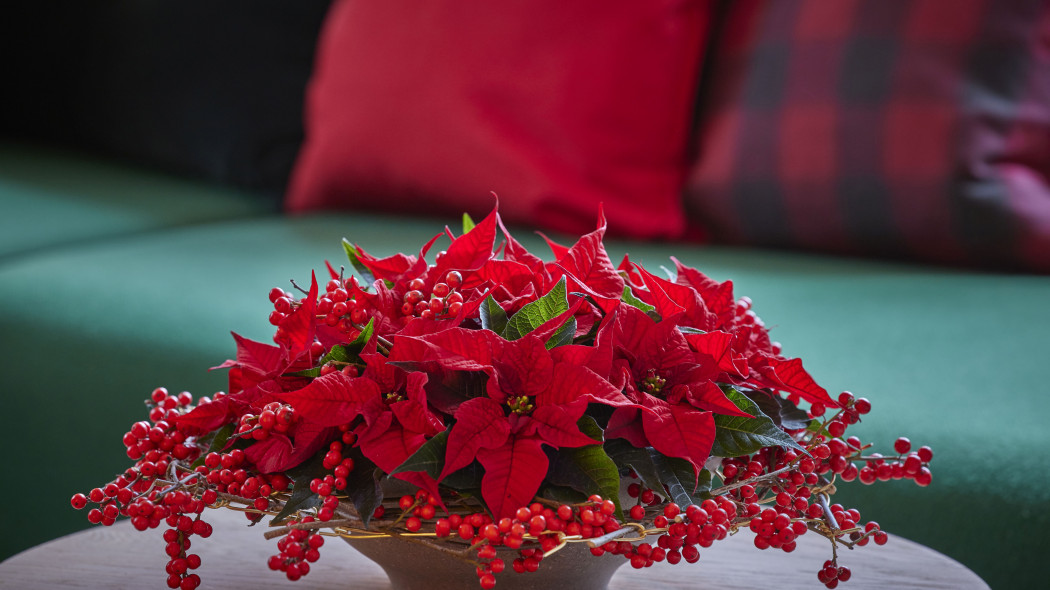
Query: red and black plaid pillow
[{"x": 913, "y": 129}]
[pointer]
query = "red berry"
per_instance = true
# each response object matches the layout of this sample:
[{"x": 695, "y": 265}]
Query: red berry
[
  {"x": 924, "y": 477},
  {"x": 565, "y": 512},
  {"x": 925, "y": 454},
  {"x": 836, "y": 428},
  {"x": 442, "y": 527},
  {"x": 902, "y": 445},
  {"x": 537, "y": 524}
]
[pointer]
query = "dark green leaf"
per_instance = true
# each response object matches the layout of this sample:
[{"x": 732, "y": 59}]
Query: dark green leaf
[
  {"x": 681, "y": 483},
  {"x": 342, "y": 354},
  {"x": 587, "y": 469},
  {"x": 783, "y": 413},
  {"x": 563, "y": 336},
  {"x": 688, "y": 330},
  {"x": 355, "y": 260},
  {"x": 589, "y": 427},
  {"x": 466, "y": 481},
  {"x": 562, "y": 494},
  {"x": 313, "y": 373},
  {"x": 429, "y": 458},
  {"x": 217, "y": 443},
  {"x": 302, "y": 498},
  {"x": 363, "y": 485},
  {"x": 663, "y": 475},
  {"x": 493, "y": 317},
  {"x": 791, "y": 416},
  {"x": 627, "y": 456},
  {"x": 536, "y": 313},
  {"x": 737, "y": 435},
  {"x": 468, "y": 223},
  {"x": 354, "y": 349},
  {"x": 630, "y": 299}
]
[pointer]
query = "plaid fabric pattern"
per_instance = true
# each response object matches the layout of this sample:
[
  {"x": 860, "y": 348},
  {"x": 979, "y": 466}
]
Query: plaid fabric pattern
[{"x": 909, "y": 129}]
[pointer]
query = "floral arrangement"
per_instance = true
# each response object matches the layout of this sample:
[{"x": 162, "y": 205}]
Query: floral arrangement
[{"x": 517, "y": 399}]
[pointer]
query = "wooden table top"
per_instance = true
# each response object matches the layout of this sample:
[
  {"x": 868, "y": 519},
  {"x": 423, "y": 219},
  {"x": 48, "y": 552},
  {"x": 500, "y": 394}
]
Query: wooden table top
[{"x": 234, "y": 557}]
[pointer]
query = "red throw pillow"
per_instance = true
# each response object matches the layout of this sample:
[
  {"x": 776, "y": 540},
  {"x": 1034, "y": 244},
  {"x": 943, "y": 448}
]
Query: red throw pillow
[
  {"x": 430, "y": 107},
  {"x": 916, "y": 129}
]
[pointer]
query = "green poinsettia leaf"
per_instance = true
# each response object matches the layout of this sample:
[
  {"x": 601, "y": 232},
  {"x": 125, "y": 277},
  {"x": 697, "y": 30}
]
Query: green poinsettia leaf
[
  {"x": 217, "y": 443},
  {"x": 351, "y": 353},
  {"x": 587, "y": 469},
  {"x": 466, "y": 481},
  {"x": 589, "y": 427},
  {"x": 342, "y": 354},
  {"x": 493, "y": 316},
  {"x": 363, "y": 485},
  {"x": 630, "y": 299},
  {"x": 738, "y": 435},
  {"x": 539, "y": 312},
  {"x": 688, "y": 330},
  {"x": 664, "y": 475},
  {"x": 429, "y": 458},
  {"x": 783, "y": 413},
  {"x": 640, "y": 460},
  {"x": 682, "y": 484},
  {"x": 563, "y": 336},
  {"x": 302, "y": 498},
  {"x": 791, "y": 416},
  {"x": 562, "y": 494},
  {"x": 468, "y": 223},
  {"x": 354, "y": 255}
]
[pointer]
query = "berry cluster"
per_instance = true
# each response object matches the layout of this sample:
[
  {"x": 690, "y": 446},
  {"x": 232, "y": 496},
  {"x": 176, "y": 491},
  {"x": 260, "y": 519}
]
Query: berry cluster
[
  {"x": 795, "y": 486},
  {"x": 330, "y": 485},
  {"x": 339, "y": 307},
  {"x": 544, "y": 527},
  {"x": 838, "y": 454},
  {"x": 231, "y": 473},
  {"x": 680, "y": 532},
  {"x": 297, "y": 550},
  {"x": 274, "y": 417},
  {"x": 151, "y": 492},
  {"x": 443, "y": 299},
  {"x": 830, "y": 575}
]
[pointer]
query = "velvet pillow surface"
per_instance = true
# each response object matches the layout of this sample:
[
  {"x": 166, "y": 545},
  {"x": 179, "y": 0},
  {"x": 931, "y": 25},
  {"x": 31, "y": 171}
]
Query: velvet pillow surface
[
  {"x": 555, "y": 107},
  {"x": 915, "y": 130}
]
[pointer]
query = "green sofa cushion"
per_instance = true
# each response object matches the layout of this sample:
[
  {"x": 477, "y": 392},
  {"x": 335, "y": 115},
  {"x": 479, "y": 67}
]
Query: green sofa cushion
[
  {"x": 951, "y": 359},
  {"x": 50, "y": 197}
]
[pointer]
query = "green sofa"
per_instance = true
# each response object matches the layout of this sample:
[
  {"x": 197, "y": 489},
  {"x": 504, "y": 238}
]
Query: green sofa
[{"x": 115, "y": 280}]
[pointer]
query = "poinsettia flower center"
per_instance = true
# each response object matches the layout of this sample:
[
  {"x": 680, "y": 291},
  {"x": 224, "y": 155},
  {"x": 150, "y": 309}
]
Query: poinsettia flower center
[
  {"x": 393, "y": 397},
  {"x": 652, "y": 383},
  {"x": 521, "y": 405}
]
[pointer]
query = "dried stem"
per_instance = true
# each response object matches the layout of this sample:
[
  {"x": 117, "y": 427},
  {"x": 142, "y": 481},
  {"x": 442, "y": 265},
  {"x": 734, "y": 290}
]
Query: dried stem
[{"x": 758, "y": 478}]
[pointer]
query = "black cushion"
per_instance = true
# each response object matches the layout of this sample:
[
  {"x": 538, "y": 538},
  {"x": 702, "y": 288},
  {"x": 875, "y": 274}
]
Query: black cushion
[{"x": 207, "y": 88}]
